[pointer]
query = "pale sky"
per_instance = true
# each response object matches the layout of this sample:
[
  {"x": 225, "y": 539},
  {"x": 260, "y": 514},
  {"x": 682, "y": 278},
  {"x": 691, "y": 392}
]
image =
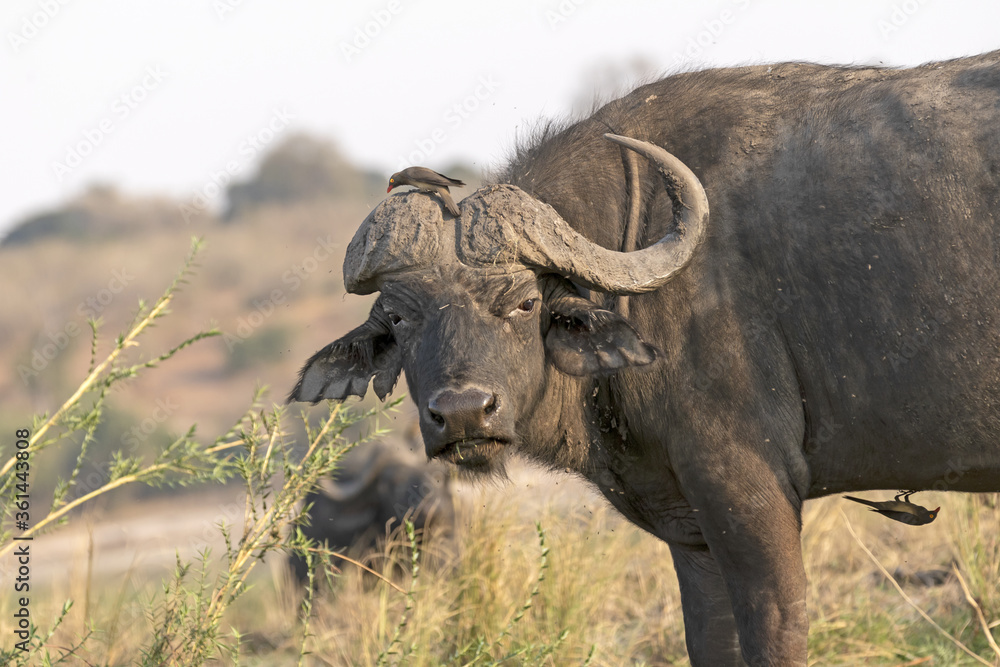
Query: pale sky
[{"x": 159, "y": 96}]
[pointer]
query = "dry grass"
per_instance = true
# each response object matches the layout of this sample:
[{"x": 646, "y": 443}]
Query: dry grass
[
  {"x": 607, "y": 588},
  {"x": 593, "y": 560},
  {"x": 611, "y": 587}
]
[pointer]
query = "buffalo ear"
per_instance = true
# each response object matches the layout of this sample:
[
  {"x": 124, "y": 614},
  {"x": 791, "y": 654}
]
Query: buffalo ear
[
  {"x": 344, "y": 367},
  {"x": 584, "y": 339}
]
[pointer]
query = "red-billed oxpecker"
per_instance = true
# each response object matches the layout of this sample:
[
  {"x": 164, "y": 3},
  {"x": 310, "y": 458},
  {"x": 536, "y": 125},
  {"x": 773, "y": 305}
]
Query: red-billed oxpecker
[
  {"x": 427, "y": 180},
  {"x": 901, "y": 510}
]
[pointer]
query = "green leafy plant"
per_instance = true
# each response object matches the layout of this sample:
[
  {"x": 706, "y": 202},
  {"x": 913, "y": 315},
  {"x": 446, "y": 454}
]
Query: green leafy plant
[{"x": 188, "y": 614}]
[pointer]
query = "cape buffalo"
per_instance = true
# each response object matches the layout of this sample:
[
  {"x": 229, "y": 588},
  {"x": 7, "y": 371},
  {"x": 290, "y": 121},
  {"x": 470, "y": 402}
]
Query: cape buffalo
[
  {"x": 832, "y": 327},
  {"x": 374, "y": 491}
]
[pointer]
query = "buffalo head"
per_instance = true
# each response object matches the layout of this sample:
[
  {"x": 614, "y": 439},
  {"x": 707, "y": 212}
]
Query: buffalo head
[
  {"x": 484, "y": 315},
  {"x": 376, "y": 489}
]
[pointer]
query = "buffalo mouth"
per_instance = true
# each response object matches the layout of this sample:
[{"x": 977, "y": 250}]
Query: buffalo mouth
[{"x": 473, "y": 454}]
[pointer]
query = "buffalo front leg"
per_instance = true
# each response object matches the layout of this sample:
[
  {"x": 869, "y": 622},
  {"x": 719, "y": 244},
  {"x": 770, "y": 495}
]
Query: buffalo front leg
[
  {"x": 752, "y": 529},
  {"x": 709, "y": 625}
]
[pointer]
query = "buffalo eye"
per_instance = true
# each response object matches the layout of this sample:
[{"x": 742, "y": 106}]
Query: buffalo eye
[
  {"x": 525, "y": 307},
  {"x": 394, "y": 318}
]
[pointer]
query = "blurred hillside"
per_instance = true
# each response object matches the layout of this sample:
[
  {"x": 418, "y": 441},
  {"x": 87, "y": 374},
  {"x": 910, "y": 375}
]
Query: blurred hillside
[{"x": 270, "y": 278}]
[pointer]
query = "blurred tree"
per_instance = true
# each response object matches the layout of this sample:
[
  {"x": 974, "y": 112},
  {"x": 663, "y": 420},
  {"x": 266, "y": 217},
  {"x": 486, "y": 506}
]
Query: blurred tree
[
  {"x": 301, "y": 168},
  {"x": 100, "y": 212}
]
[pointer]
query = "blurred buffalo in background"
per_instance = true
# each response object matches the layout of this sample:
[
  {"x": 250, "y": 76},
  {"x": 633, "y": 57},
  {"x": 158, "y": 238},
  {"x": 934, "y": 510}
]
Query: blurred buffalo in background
[{"x": 360, "y": 512}]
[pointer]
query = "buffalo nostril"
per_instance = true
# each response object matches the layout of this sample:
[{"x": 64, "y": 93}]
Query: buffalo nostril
[
  {"x": 437, "y": 410},
  {"x": 462, "y": 413}
]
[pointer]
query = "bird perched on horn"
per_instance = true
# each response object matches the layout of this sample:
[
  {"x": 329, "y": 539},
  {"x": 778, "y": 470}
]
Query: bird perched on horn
[{"x": 428, "y": 180}]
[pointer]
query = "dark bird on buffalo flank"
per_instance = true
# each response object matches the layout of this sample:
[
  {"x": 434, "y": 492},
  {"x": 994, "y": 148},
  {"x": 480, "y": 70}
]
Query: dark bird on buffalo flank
[
  {"x": 901, "y": 510},
  {"x": 427, "y": 180}
]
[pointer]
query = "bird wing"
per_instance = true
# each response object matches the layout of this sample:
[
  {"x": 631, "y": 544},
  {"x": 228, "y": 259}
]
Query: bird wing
[
  {"x": 890, "y": 505},
  {"x": 904, "y": 517},
  {"x": 425, "y": 175},
  {"x": 900, "y": 506},
  {"x": 449, "y": 203},
  {"x": 863, "y": 501}
]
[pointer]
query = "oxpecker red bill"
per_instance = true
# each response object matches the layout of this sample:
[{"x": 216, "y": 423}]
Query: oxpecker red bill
[{"x": 427, "y": 180}]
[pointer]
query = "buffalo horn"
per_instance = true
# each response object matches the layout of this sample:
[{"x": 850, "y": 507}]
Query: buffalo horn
[{"x": 558, "y": 247}]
